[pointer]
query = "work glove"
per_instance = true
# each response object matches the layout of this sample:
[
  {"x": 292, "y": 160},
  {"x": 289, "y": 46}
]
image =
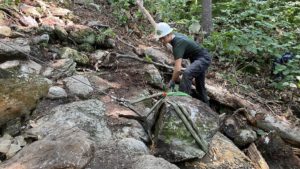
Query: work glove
[{"x": 171, "y": 85}]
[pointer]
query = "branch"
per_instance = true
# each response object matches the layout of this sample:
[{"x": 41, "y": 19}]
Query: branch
[{"x": 146, "y": 13}]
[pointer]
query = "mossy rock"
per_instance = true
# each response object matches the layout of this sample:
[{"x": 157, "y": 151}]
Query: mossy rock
[
  {"x": 172, "y": 140},
  {"x": 19, "y": 96},
  {"x": 78, "y": 57},
  {"x": 84, "y": 35},
  {"x": 86, "y": 47}
]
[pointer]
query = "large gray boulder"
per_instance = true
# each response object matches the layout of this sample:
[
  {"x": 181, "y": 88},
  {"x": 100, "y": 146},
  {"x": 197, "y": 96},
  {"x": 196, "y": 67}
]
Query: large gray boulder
[
  {"x": 151, "y": 162},
  {"x": 86, "y": 115},
  {"x": 173, "y": 141},
  {"x": 11, "y": 49},
  {"x": 70, "y": 149}
]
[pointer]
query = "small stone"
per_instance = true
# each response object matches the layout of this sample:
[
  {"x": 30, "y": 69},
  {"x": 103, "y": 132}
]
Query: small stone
[
  {"x": 56, "y": 92},
  {"x": 19, "y": 140},
  {"x": 4, "y": 145},
  {"x": 5, "y": 31},
  {"x": 14, "y": 148}
]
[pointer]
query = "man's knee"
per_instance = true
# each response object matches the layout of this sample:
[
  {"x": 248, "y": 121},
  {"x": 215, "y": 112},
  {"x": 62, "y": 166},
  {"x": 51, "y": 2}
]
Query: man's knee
[{"x": 187, "y": 74}]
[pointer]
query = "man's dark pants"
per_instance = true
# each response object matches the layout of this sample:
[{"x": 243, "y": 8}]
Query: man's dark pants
[{"x": 196, "y": 70}]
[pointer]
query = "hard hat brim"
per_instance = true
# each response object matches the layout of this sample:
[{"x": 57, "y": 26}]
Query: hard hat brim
[{"x": 157, "y": 37}]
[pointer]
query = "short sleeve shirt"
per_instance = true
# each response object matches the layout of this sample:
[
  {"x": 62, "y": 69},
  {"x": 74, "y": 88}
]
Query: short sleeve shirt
[{"x": 185, "y": 48}]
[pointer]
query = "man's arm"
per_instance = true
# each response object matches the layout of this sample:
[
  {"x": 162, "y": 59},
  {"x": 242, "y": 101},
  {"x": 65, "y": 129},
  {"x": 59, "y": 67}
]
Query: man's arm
[{"x": 177, "y": 69}]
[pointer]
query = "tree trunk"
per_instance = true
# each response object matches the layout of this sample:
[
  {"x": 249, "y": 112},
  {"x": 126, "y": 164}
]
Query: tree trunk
[
  {"x": 206, "y": 19},
  {"x": 257, "y": 115}
]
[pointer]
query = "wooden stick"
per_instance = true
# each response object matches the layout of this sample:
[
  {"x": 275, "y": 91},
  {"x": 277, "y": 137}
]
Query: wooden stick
[
  {"x": 146, "y": 13},
  {"x": 186, "y": 114},
  {"x": 256, "y": 157},
  {"x": 157, "y": 104},
  {"x": 145, "y": 98}
]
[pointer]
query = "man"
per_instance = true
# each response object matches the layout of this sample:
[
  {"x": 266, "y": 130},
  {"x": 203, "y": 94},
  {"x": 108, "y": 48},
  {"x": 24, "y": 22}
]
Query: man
[{"x": 185, "y": 48}]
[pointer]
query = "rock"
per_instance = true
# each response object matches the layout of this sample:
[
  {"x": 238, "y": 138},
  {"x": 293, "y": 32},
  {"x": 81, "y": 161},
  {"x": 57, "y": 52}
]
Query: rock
[
  {"x": 106, "y": 43},
  {"x": 102, "y": 84},
  {"x": 86, "y": 115},
  {"x": 4, "y": 74},
  {"x": 151, "y": 162},
  {"x": 79, "y": 86},
  {"x": 60, "y": 12},
  {"x": 28, "y": 21},
  {"x": 14, "y": 148},
  {"x": 172, "y": 140},
  {"x": 133, "y": 145},
  {"x": 98, "y": 56},
  {"x": 94, "y": 6},
  {"x": 223, "y": 154},
  {"x": 29, "y": 10},
  {"x": 52, "y": 21},
  {"x": 30, "y": 67},
  {"x": 56, "y": 92},
  {"x": 245, "y": 137},
  {"x": 45, "y": 29},
  {"x": 86, "y": 47},
  {"x": 155, "y": 54},
  {"x": 83, "y": 34},
  {"x": 71, "y": 149},
  {"x": 238, "y": 131},
  {"x": 12, "y": 49},
  {"x": 4, "y": 145},
  {"x": 60, "y": 68},
  {"x": 78, "y": 57},
  {"x": 13, "y": 126},
  {"x": 19, "y": 140},
  {"x": 5, "y": 31},
  {"x": 61, "y": 33},
  {"x": 10, "y": 64},
  {"x": 19, "y": 96},
  {"x": 41, "y": 39},
  {"x": 153, "y": 76}
]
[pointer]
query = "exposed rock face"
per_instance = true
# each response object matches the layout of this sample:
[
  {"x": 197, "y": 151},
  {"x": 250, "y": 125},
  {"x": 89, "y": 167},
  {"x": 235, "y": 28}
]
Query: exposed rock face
[
  {"x": 153, "y": 76},
  {"x": 172, "y": 139},
  {"x": 11, "y": 49},
  {"x": 19, "y": 96},
  {"x": 71, "y": 149},
  {"x": 224, "y": 154}
]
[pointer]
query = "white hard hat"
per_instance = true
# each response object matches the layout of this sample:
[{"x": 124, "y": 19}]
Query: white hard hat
[{"x": 162, "y": 29}]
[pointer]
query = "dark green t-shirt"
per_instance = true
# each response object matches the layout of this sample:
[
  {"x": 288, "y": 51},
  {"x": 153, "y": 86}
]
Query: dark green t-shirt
[{"x": 185, "y": 48}]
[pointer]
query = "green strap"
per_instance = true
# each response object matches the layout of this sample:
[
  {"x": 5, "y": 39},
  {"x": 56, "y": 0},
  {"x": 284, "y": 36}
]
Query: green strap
[{"x": 177, "y": 94}]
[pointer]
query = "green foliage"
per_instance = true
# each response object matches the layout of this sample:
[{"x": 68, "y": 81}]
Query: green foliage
[
  {"x": 105, "y": 34},
  {"x": 256, "y": 32},
  {"x": 11, "y": 2},
  {"x": 290, "y": 73}
]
